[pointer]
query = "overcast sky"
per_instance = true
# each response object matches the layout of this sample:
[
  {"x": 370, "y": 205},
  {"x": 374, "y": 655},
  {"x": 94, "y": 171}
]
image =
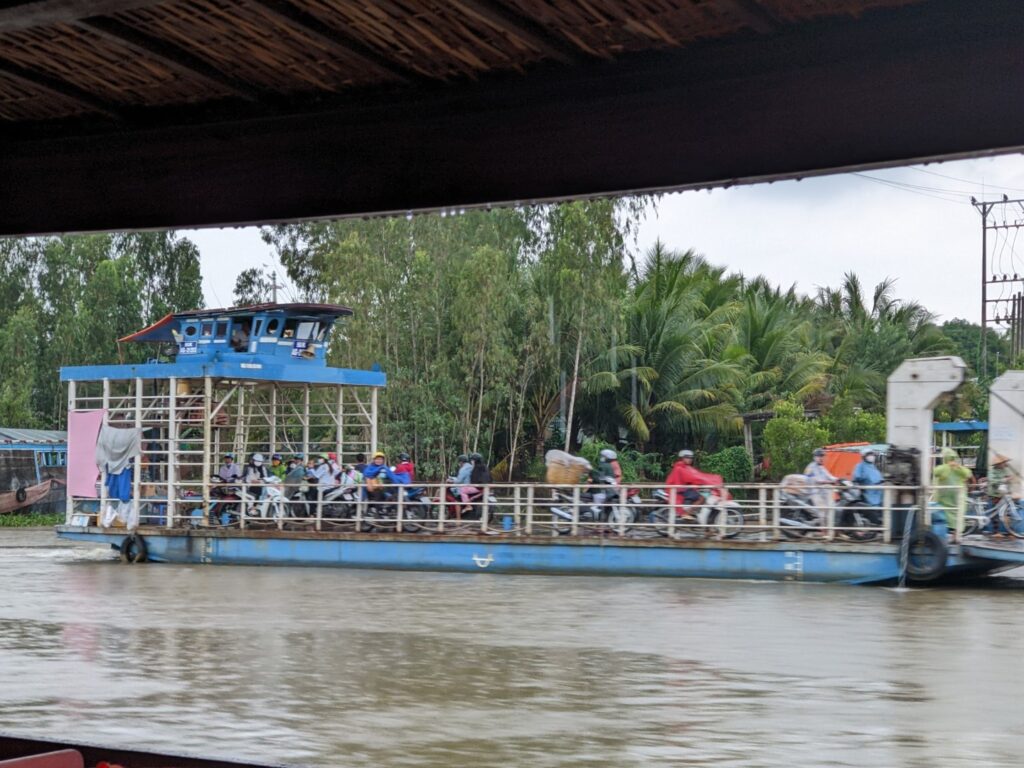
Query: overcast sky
[{"x": 915, "y": 224}]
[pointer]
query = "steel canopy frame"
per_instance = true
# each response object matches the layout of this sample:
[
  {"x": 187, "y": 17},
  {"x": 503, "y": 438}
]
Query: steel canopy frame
[{"x": 937, "y": 79}]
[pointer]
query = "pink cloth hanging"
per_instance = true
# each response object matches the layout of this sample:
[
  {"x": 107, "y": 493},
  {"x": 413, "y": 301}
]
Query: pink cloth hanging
[{"x": 83, "y": 431}]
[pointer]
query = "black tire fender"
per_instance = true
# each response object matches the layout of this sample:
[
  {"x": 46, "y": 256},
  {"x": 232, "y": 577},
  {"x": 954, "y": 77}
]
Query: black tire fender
[
  {"x": 21, "y": 494},
  {"x": 927, "y": 555},
  {"x": 133, "y": 549}
]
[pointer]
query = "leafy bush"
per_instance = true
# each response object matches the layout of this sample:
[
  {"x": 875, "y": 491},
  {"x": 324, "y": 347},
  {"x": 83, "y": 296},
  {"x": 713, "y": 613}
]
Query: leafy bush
[
  {"x": 789, "y": 438},
  {"x": 733, "y": 464},
  {"x": 847, "y": 424}
]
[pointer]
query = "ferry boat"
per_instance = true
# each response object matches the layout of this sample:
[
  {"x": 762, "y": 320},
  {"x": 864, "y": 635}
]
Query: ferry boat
[{"x": 255, "y": 380}]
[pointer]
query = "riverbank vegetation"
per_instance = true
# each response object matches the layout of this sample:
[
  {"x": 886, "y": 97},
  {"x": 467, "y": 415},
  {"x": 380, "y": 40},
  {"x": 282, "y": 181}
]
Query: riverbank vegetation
[{"x": 512, "y": 331}]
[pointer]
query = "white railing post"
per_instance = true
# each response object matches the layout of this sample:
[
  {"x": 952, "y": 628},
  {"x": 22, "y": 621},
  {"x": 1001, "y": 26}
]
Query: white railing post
[
  {"x": 360, "y": 505},
  {"x": 670, "y": 521},
  {"x": 319, "y": 507},
  {"x": 69, "y": 501},
  {"x": 400, "y": 493},
  {"x": 485, "y": 509},
  {"x": 776, "y": 513},
  {"x": 529, "y": 510},
  {"x": 516, "y": 503},
  {"x": 442, "y": 507},
  {"x": 762, "y": 511},
  {"x": 887, "y": 495},
  {"x": 830, "y": 515},
  {"x": 172, "y": 451},
  {"x": 575, "y": 510}
]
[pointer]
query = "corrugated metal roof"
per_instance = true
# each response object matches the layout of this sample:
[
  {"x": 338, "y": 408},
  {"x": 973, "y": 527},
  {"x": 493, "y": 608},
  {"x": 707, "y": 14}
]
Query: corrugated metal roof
[{"x": 14, "y": 435}]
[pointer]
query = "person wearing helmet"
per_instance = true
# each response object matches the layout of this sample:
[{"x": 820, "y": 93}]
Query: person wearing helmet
[
  {"x": 229, "y": 471},
  {"x": 277, "y": 467},
  {"x": 817, "y": 474},
  {"x": 480, "y": 475},
  {"x": 867, "y": 473},
  {"x": 377, "y": 474},
  {"x": 405, "y": 466},
  {"x": 608, "y": 469},
  {"x": 684, "y": 480},
  {"x": 262, "y": 485},
  {"x": 950, "y": 480}
]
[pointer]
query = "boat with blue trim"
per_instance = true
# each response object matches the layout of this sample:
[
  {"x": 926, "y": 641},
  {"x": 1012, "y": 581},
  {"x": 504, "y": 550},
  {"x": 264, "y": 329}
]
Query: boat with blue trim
[{"x": 253, "y": 380}]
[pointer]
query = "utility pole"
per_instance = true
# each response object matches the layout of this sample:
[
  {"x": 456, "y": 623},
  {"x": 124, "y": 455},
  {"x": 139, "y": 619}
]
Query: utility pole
[
  {"x": 1006, "y": 310},
  {"x": 274, "y": 286}
]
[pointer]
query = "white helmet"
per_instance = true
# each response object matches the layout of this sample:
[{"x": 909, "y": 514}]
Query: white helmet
[
  {"x": 686, "y": 453},
  {"x": 608, "y": 454},
  {"x": 257, "y": 458}
]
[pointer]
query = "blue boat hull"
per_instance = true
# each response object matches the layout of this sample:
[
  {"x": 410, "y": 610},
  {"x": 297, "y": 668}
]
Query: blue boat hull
[{"x": 773, "y": 561}]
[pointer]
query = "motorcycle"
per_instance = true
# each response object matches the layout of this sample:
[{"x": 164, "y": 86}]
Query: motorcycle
[
  {"x": 224, "y": 502},
  {"x": 716, "y": 514},
  {"x": 596, "y": 506},
  {"x": 801, "y": 516},
  {"x": 453, "y": 504},
  {"x": 855, "y": 518},
  {"x": 382, "y": 514}
]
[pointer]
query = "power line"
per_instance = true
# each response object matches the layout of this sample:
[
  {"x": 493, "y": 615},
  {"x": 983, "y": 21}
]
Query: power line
[
  {"x": 904, "y": 188},
  {"x": 981, "y": 184}
]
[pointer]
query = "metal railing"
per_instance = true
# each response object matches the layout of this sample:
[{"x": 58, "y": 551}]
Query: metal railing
[{"x": 747, "y": 512}]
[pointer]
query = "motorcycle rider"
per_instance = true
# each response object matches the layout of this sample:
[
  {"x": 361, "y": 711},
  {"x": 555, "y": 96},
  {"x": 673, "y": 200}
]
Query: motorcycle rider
[
  {"x": 406, "y": 466},
  {"x": 277, "y": 467},
  {"x": 607, "y": 472},
  {"x": 866, "y": 473},
  {"x": 266, "y": 485},
  {"x": 377, "y": 473},
  {"x": 229, "y": 471},
  {"x": 817, "y": 474},
  {"x": 685, "y": 475},
  {"x": 319, "y": 477}
]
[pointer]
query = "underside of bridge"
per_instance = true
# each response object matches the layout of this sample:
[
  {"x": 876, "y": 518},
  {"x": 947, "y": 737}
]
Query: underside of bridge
[{"x": 121, "y": 114}]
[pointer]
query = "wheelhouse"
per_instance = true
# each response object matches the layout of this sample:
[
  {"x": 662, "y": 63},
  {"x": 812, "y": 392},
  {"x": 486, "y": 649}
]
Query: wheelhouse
[{"x": 243, "y": 380}]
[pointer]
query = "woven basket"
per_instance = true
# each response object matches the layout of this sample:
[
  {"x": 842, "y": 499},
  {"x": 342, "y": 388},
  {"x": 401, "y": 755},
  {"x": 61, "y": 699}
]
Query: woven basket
[{"x": 564, "y": 469}]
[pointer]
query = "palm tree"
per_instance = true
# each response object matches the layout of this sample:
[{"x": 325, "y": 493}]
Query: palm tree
[{"x": 680, "y": 374}]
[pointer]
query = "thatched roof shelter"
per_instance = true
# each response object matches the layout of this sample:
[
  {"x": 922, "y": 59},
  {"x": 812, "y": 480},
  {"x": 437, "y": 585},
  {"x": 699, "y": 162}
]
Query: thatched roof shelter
[{"x": 139, "y": 113}]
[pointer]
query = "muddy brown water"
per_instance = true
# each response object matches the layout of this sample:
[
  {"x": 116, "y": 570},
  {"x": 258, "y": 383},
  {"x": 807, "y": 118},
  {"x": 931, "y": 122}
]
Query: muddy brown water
[{"x": 369, "y": 668}]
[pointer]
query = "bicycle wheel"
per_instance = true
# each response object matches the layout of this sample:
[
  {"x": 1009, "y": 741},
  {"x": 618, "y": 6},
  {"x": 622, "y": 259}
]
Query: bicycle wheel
[
  {"x": 1012, "y": 519},
  {"x": 733, "y": 522}
]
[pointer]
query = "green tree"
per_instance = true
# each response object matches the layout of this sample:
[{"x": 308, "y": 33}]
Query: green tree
[{"x": 789, "y": 439}]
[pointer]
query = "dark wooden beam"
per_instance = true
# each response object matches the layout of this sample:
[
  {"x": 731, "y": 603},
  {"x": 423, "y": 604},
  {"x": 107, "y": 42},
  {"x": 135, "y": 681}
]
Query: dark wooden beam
[
  {"x": 25, "y": 14},
  {"x": 171, "y": 56},
  {"x": 346, "y": 44},
  {"x": 527, "y": 30},
  {"x": 895, "y": 86},
  {"x": 753, "y": 14},
  {"x": 58, "y": 87}
]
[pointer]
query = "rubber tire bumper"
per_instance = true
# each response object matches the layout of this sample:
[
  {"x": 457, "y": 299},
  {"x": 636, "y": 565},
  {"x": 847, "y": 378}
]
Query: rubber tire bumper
[
  {"x": 21, "y": 494},
  {"x": 930, "y": 564},
  {"x": 133, "y": 549}
]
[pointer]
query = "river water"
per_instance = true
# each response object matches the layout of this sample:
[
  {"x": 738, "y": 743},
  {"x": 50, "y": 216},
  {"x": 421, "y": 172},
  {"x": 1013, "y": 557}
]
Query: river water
[{"x": 360, "y": 668}]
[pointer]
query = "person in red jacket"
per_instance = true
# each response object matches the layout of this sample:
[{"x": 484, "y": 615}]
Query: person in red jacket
[
  {"x": 405, "y": 465},
  {"x": 684, "y": 474}
]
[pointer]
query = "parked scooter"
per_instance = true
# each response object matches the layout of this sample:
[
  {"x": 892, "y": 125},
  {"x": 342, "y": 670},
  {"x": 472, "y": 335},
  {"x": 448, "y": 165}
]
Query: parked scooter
[
  {"x": 455, "y": 506},
  {"x": 224, "y": 502},
  {"x": 717, "y": 514},
  {"x": 383, "y": 515},
  {"x": 802, "y": 514},
  {"x": 855, "y": 518},
  {"x": 604, "y": 504}
]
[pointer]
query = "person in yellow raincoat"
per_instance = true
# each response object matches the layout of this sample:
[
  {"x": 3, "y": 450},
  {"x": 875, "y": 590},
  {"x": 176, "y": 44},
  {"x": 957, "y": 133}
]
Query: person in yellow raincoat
[{"x": 950, "y": 480}]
